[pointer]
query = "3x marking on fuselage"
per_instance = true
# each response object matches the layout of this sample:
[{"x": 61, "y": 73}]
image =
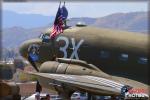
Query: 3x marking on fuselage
[{"x": 75, "y": 47}]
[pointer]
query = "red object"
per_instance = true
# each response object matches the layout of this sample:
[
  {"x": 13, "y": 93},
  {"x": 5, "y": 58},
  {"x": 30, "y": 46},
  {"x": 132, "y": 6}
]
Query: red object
[{"x": 58, "y": 24}]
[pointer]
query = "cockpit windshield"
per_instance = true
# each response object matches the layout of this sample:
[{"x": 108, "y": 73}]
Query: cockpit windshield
[{"x": 44, "y": 37}]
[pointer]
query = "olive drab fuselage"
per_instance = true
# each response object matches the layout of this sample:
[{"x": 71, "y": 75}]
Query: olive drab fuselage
[{"x": 117, "y": 53}]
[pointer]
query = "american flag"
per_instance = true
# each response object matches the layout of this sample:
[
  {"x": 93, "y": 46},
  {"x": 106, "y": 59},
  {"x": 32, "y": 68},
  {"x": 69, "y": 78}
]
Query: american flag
[{"x": 58, "y": 24}]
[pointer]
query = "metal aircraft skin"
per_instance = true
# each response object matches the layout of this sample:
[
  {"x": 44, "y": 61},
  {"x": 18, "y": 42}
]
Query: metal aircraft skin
[{"x": 100, "y": 61}]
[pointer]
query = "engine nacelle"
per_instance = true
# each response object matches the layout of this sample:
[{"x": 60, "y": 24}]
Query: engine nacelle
[{"x": 73, "y": 67}]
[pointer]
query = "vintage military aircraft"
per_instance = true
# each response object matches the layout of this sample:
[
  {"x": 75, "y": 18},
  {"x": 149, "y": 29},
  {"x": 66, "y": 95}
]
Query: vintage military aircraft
[{"x": 96, "y": 60}]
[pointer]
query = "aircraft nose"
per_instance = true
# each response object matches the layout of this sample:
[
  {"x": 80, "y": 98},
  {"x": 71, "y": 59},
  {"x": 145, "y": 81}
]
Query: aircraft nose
[
  {"x": 30, "y": 46},
  {"x": 38, "y": 51},
  {"x": 30, "y": 51}
]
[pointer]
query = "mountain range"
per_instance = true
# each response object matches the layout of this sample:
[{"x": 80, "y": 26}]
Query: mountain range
[
  {"x": 11, "y": 19},
  {"x": 20, "y": 27}
]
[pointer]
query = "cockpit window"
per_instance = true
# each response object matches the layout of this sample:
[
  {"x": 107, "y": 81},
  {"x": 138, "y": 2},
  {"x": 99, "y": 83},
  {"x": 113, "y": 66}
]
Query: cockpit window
[
  {"x": 41, "y": 36},
  {"x": 104, "y": 54},
  {"x": 142, "y": 60},
  {"x": 123, "y": 57},
  {"x": 44, "y": 37}
]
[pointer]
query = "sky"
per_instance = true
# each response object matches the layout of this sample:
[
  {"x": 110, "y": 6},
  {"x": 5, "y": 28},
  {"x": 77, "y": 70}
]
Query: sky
[{"x": 76, "y": 9}]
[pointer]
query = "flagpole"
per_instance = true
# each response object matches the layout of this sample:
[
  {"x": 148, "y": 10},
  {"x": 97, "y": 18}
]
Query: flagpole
[
  {"x": 59, "y": 4},
  {"x": 58, "y": 9},
  {"x": 52, "y": 40},
  {"x": 64, "y": 3}
]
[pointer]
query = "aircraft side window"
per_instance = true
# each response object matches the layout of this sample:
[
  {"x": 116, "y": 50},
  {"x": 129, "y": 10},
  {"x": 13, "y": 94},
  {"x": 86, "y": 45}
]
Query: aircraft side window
[
  {"x": 45, "y": 37},
  {"x": 41, "y": 36},
  {"x": 142, "y": 60},
  {"x": 104, "y": 54},
  {"x": 123, "y": 57},
  {"x": 83, "y": 94}
]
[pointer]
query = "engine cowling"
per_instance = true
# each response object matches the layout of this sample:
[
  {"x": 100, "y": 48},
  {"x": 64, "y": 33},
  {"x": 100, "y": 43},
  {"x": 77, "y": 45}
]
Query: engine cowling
[
  {"x": 73, "y": 67},
  {"x": 67, "y": 66}
]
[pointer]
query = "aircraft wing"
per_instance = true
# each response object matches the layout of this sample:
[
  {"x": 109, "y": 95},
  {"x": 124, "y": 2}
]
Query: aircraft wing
[{"x": 87, "y": 83}]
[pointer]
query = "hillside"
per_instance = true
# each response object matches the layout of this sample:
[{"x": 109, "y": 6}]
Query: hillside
[
  {"x": 11, "y": 19},
  {"x": 13, "y": 37},
  {"x": 135, "y": 21},
  {"x": 16, "y": 34}
]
